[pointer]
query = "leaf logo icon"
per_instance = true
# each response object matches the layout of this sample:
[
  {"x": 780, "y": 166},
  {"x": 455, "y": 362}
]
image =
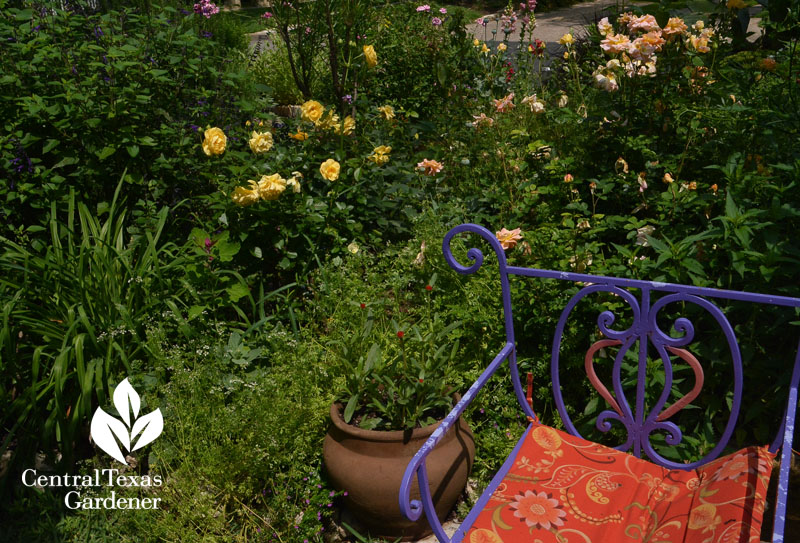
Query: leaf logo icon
[{"x": 109, "y": 432}]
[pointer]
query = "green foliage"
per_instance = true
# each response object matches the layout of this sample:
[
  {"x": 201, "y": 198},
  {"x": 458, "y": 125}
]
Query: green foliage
[
  {"x": 73, "y": 320},
  {"x": 87, "y": 95}
]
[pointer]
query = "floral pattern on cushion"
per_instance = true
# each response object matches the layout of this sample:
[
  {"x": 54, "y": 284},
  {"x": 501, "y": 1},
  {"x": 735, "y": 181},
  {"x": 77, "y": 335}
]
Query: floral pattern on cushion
[{"x": 564, "y": 489}]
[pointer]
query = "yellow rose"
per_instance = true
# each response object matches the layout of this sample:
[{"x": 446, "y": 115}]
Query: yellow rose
[
  {"x": 214, "y": 141},
  {"x": 330, "y": 170},
  {"x": 370, "y": 56},
  {"x": 299, "y": 136},
  {"x": 330, "y": 122},
  {"x": 485, "y": 49},
  {"x": 387, "y": 111},
  {"x": 260, "y": 142},
  {"x": 271, "y": 186},
  {"x": 244, "y": 197},
  {"x": 311, "y": 111},
  {"x": 346, "y": 127},
  {"x": 476, "y": 43},
  {"x": 380, "y": 155},
  {"x": 502, "y": 47},
  {"x": 566, "y": 39}
]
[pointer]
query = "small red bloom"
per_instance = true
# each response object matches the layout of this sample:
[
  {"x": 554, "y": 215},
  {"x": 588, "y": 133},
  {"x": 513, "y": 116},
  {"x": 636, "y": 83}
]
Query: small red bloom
[
  {"x": 400, "y": 334},
  {"x": 428, "y": 287},
  {"x": 363, "y": 305},
  {"x": 421, "y": 380}
]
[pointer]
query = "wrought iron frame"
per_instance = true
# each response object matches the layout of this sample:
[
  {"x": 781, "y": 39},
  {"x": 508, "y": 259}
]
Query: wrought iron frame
[{"x": 639, "y": 422}]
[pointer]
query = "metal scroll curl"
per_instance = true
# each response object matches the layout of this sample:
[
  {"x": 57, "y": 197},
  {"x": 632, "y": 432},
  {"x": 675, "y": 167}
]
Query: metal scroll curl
[
  {"x": 663, "y": 343},
  {"x": 475, "y": 255},
  {"x": 626, "y": 338}
]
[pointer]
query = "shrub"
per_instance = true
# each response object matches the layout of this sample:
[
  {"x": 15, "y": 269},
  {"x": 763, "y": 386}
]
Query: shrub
[{"x": 86, "y": 95}]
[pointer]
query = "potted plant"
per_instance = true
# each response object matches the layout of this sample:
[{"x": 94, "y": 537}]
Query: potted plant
[{"x": 397, "y": 389}]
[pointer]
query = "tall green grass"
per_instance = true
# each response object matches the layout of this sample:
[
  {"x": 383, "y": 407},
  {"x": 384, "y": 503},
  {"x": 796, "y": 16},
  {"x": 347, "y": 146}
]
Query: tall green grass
[{"x": 74, "y": 312}]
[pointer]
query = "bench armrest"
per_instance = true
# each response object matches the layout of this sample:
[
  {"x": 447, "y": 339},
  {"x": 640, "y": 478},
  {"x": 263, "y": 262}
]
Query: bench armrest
[{"x": 412, "y": 509}]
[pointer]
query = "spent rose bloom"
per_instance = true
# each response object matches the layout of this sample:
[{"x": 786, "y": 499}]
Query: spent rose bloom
[
  {"x": 294, "y": 181},
  {"x": 271, "y": 186},
  {"x": 508, "y": 238},
  {"x": 481, "y": 120},
  {"x": 563, "y": 100},
  {"x": 504, "y": 104},
  {"x": 604, "y": 26},
  {"x": 626, "y": 18},
  {"x": 245, "y": 197},
  {"x": 330, "y": 169},
  {"x": 260, "y": 142},
  {"x": 311, "y": 111},
  {"x": 606, "y": 81},
  {"x": 387, "y": 112},
  {"x": 430, "y": 167},
  {"x": 642, "y": 233},
  {"x": 536, "y": 105},
  {"x": 214, "y": 141},
  {"x": 370, "y": 56}
]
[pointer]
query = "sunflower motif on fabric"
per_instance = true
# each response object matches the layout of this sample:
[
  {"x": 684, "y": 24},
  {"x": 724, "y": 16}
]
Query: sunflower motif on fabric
[{"x": 538, "y": 510}]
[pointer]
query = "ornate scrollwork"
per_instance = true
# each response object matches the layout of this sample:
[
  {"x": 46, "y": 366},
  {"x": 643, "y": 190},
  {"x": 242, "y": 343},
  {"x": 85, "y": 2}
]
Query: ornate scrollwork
[
  {"x": 475, "y": 255},
  {"x": 644, "y": 330}
]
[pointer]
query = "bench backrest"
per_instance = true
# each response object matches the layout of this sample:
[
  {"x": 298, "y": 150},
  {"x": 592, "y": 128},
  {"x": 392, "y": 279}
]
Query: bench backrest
[{"x": 645, "y": 300}]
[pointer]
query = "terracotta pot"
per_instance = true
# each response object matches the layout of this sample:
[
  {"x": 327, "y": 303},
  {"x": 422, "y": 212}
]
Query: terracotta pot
[{"x": 369, "y": 465}]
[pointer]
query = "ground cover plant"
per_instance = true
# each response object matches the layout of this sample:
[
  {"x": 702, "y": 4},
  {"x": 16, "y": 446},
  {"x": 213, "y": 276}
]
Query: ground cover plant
[{"x": 239, "y": 262}]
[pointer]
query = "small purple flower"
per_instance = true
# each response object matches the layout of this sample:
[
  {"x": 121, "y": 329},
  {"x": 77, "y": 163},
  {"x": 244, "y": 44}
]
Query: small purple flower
[
  {"x": 194, "y": 127},
  {"x": 267, "y": 15},
  {"x": 436, "y": 21},
  {"x": 36, "y": 28},
  {"x": 332, "y": 494},
  {"x": 443, "y": 11},
  {"x": 184, "y": 12},
  {"x": 347, "y": 98},
  {"x": 207, "y": 34},
  {"x": 98, "y": 32}
]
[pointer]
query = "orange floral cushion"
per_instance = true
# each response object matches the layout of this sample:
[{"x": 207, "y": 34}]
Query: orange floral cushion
[{"x": 563, "y": 489}]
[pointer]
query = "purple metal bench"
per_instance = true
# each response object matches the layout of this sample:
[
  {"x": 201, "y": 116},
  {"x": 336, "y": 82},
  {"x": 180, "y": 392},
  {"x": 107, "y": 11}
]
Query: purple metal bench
[{"x": 637, "y": 420}]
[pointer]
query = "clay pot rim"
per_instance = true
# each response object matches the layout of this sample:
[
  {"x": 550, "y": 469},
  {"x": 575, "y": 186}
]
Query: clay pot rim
[{"x": 381, "y": 435}]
